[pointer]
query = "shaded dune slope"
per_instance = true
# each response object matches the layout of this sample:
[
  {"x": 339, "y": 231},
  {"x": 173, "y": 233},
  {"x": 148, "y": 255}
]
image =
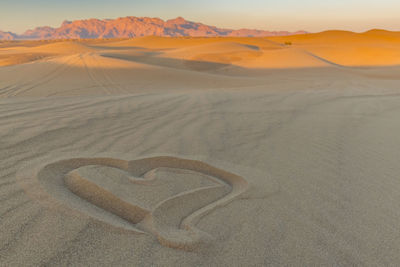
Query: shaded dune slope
[{"x": 131, "y": 65}]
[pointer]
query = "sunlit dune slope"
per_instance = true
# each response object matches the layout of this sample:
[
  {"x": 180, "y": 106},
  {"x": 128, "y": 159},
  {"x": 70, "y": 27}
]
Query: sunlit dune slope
[
  {"x": 155, "y": 42},
  {"x": 330, "y": 48},
  {"x": 341, "y": 37},
  {"x": 259, "y": 53},
  {"x": 65, "y": 47},
  {"x": 372, "y": 48},
  {"x": 20, "y": 58},
  {"x": 27, "y": 51}
]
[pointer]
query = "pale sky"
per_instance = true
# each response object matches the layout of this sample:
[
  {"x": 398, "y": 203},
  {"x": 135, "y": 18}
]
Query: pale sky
[{"x": 310, "y": 15}]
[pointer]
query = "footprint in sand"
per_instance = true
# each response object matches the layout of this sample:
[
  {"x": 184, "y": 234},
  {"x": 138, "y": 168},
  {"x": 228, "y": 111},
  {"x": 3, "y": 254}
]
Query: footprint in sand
[{"x": 165, "y": 196}]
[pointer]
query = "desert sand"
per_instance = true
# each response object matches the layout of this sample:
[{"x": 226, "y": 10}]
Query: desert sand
[{"x": 201, "y": 151}]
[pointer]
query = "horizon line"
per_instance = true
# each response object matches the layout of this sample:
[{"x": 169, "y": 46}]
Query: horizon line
[{"x": 190, "y": 20}]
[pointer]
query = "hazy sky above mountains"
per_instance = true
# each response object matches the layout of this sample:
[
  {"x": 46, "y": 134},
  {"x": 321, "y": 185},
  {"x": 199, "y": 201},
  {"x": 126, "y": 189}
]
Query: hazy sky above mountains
[{"x": 310, "y": 15}]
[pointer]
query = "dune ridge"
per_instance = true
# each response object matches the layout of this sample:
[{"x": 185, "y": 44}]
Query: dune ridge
[{"x": 332, "y": 48}]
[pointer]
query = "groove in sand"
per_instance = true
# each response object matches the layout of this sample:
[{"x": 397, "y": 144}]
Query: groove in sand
[{"x": 173, "y": 220}]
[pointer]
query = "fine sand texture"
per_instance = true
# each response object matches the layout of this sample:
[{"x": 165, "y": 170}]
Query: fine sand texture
[{"x": 280, "y": 151}]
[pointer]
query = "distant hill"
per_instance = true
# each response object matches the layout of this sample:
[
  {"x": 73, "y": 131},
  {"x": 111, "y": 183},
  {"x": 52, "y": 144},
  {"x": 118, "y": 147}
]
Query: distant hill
[
  {"x": 7, "y": 36},
  {"x": 129, "y": 27}
]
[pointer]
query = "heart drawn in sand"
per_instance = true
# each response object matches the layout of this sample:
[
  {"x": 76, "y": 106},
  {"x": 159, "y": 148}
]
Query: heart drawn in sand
[{"x": 121, "y": 188}]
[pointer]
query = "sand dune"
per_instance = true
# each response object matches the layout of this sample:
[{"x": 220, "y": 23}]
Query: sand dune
[
  {"x": 372, "y": 48},
  {"x": 64, "y": 47},
  {"x": 201, "y": 151},
  {"x": 22, "y": 54}
]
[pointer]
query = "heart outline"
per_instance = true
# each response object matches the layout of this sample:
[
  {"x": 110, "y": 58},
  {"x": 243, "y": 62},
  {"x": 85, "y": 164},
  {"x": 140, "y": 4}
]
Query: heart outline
[{"x": 188, "y": 236}]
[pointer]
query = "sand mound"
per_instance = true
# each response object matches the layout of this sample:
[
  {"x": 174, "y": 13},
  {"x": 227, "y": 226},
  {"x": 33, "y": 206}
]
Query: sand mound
[
  {"x": 93, "y": 61},
  {"x": 21, "y": 54},
  {"x": 382, "y": 36},
  {"x": 63, "y": 47},
  {"x": 251, "y": 56},
  {"x": 372, "y": 48},
  {"x": 202, "y": 54},
  {"x": 361, "y": 55},
  {"x": 341, "y": 39},
  {"x": 330, "y": 48},
  {"x": 284, "y": 58},
  {"x": 219, "y": 52},
  {"x": 154, "y": 42},
  {"x": 95, "y": 67},
  {"x": 21, "y": 58},
  {"x": 216, "y": 47},
  {"x": 213, "y": 54}
]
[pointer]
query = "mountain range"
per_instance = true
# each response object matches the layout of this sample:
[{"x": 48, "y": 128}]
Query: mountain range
[{"x": 128, "y": 27}]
